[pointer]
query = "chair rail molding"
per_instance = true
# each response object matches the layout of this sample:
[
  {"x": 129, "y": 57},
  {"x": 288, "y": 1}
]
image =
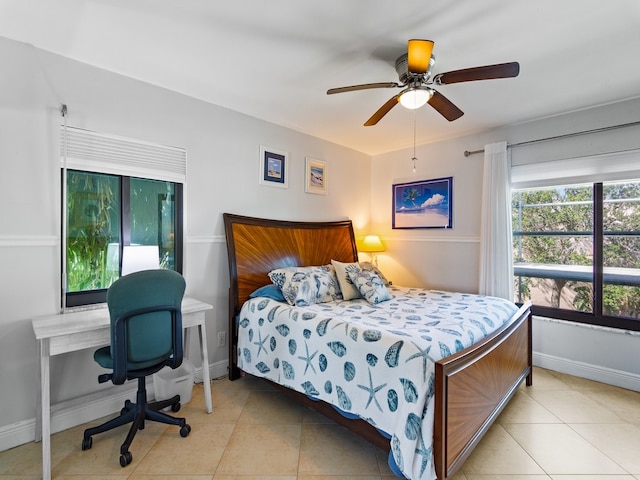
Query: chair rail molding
[{"x": 12, "y": 241}]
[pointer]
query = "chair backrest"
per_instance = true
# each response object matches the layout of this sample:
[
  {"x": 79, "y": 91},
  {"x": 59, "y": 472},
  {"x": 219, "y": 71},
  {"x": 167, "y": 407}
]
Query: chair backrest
[{"x": 146, "y": 321}]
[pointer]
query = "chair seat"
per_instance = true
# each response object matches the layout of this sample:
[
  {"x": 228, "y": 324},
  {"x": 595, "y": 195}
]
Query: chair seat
[{"x": 103, "y": 357}]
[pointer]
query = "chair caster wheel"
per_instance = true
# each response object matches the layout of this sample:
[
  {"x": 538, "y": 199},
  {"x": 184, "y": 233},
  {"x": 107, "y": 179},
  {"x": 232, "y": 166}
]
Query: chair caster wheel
[
  {"x": 184, "y": 430},
  {"x": 175, "y": 407},
  {"x": 86, "y": 443},
  {"x": 125, "y": 459}
]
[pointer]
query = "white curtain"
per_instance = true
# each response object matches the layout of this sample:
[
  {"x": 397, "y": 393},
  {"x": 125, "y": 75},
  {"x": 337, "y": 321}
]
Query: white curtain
[{"x": 496, "y": 257}]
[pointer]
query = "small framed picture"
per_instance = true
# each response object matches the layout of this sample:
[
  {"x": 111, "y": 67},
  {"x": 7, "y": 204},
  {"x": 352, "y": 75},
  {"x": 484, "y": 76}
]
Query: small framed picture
[
  {"x": 423, "y": 204},
  {"x": 274, "y": 167},
  {"x": 315, "y": 177}
]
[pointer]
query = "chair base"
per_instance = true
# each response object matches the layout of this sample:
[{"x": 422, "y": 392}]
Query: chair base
[{"x": 136, "y": 414}]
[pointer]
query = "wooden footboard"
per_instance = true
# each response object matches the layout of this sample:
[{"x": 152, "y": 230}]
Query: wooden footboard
[{"x": 472, "y": 388}]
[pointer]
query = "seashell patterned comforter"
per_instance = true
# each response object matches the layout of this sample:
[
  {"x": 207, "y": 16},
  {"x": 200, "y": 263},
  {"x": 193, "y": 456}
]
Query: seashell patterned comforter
[{"x": 372, "y": 361}]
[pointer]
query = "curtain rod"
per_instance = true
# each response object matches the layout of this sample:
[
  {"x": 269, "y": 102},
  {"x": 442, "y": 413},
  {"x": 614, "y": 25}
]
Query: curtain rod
[{"x": 575, "y": 134}]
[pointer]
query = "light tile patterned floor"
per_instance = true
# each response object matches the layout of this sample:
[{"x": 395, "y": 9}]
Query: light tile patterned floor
[{"x": 561, "y": 428}]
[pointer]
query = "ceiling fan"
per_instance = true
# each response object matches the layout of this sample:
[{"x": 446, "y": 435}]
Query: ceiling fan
[{"x": 416, "y": 81}]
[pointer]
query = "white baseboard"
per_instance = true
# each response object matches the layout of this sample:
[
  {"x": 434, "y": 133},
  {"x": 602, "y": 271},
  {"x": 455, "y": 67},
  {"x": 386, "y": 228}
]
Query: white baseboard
[
  {"x": 85, "y": 409},
  {"x": 610, "y": 376}
]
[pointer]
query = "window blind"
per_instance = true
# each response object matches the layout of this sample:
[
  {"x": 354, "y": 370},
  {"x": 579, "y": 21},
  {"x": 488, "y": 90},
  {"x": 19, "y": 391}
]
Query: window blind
[
  {"x": 102, "y": 153},
  {"x": 596, "y": 168}
]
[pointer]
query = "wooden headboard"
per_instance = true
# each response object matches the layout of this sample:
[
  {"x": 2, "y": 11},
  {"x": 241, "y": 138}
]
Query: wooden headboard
[{"x": 255, "y": 246}]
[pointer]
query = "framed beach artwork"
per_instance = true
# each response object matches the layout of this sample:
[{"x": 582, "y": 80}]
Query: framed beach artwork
[
  {"x": 274, "y": 167},
  {"x": 423, "y": 204},
  {"x": 315, "y": 176}
]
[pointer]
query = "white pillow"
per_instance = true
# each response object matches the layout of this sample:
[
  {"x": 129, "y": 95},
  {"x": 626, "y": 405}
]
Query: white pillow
[{"x": 348, "y": 289}]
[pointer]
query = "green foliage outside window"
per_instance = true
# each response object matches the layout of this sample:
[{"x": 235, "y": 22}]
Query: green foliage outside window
[
  {"x": 92, "y": 225},
  {"x": 96, "y": 212},
  {"x": 555, "y": 227}
]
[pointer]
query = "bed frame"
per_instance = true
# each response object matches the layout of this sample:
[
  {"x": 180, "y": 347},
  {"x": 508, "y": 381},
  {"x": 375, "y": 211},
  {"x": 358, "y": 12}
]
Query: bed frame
[{"x": 472, "y": 386}]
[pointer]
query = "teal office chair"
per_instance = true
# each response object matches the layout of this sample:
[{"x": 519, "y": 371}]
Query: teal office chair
[{"x": 146, "y": 335}]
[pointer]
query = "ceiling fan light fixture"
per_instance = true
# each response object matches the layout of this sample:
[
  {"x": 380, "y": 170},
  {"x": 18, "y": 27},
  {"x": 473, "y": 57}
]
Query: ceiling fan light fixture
[
  {"x": 416, "y": 79},
  {"x": 415, "y": 98}
]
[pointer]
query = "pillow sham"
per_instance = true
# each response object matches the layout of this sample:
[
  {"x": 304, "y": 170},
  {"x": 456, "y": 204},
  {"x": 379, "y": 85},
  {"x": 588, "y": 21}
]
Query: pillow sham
[
  {"x": 370, "y": 267},
  {"x": 269, "y": 291},
  {"x": 348, "y": 289},
  {"x": 370, "y": 286},
  {"x": 303, "y": 286}
]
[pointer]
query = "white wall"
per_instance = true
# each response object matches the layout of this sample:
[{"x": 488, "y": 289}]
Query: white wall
[
  {"x": 222, "y": 176},
  {"x": 449, "y": 259},
  {"x": 437, "y": 258}
]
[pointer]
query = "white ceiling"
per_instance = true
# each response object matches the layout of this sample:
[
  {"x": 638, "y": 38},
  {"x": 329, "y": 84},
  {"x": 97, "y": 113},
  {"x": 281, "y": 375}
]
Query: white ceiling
[{"x": 275, "y": 59}]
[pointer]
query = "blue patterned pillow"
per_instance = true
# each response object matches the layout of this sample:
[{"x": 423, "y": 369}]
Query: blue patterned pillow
[
  {"x": 370, "y": 286},
  {"x": 370, "y": 267},
  {"x": 303, "y": 286}
]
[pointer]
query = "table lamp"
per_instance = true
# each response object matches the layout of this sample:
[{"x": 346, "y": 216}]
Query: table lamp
[
  {"x": 372, "y": 244},
  {"x": 139, "y": 257}
]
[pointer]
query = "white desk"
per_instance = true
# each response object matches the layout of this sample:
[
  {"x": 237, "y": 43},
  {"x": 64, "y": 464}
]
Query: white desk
[{"x": 69, "y": 332}]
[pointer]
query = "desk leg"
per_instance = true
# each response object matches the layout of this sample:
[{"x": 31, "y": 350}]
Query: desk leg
[
  {"x": 38, "y": 433},
  {"x": 43, "y": 417},
  {"x": 206, "y": 377}
]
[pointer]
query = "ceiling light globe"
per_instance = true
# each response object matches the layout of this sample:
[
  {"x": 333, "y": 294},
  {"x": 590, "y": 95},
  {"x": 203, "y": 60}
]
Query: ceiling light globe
[{"x": 415, "y": 98}]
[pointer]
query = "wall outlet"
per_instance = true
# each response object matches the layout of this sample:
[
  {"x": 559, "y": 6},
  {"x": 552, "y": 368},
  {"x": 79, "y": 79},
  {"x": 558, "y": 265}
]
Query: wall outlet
[{"x": 222, "y": 339}]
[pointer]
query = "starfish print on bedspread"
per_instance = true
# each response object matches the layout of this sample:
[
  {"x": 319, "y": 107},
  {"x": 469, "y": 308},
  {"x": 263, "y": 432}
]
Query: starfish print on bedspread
[
  {"x": 372, "y": 392},
  {"x": 260, "y": 343},
  {"x": 425, "y": 453},
  {"x": 308, "y": 358},
  {"x": 459, "y": 324},
  {"x": 424, "y": 354}
]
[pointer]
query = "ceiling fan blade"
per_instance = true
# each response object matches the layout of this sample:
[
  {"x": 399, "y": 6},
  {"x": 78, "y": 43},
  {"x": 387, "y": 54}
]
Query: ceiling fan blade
[
  {"x": 382, "y": 111},
  {"x": 444, "y": 107},
  {"x": 364, "y": 86},
  {"x": 419, "y": 55},
  {"x": 488, "y": 72}
]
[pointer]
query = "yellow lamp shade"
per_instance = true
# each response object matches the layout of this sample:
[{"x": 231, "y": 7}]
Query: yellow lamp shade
[{"x": 372, "y": 243}]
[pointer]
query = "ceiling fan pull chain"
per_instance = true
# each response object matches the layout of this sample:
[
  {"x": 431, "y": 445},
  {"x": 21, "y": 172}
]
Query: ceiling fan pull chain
[{"x": 413, "y": 159}]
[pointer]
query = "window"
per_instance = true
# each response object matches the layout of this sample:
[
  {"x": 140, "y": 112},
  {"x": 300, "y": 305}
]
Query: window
[
  {"x": 107, "y": 212},
  {"x": 577, "y": 252},
  {"x": 119, "y": 194}
]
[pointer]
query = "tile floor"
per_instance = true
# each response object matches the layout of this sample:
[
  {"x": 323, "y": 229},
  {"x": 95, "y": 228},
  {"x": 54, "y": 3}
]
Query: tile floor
[{"x": 561, "y": 428}]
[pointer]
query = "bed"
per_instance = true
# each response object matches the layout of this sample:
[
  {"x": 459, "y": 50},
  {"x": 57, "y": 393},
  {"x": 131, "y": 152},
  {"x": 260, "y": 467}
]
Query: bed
[{"x": 470, "y": 379}]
